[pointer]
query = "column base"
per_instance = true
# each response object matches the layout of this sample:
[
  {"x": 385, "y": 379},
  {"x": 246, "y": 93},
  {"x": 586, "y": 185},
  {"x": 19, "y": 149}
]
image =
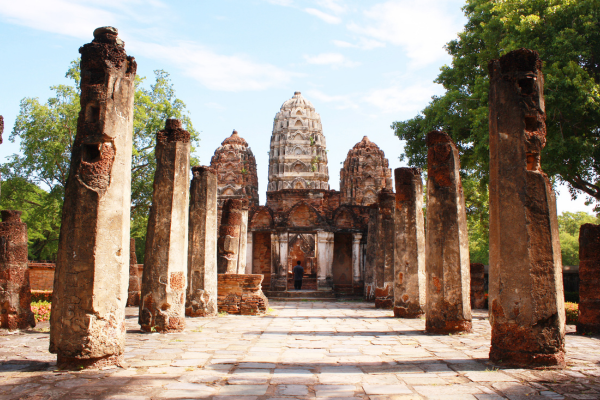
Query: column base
[
  {"x": 325, "y": 283},
  {"x": 445, "y": 327},
  {"x": 383, "y": 303},
  {"x": 401, "y": 312},
  {"x": 77, "y": 364},
  {"x": 520, "y": 359}
]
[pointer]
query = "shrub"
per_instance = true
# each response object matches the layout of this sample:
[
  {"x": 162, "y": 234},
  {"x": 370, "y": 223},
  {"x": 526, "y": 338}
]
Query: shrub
[
  {"x": 41, "y": 309},
  {"x": 572, "y": 311},
  {"x": 41, "y": 295}
]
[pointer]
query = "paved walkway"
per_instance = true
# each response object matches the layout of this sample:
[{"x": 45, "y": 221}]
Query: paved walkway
[{"x": 301, "y": 350}]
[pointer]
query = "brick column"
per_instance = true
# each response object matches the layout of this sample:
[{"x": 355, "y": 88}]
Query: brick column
[
  {"x": 477, "y": 286},
  {"x": 325, "y": 260},
  {"x": 356, "y": 257},
  {"x": 135, "y": 279},
  {"x": 162, "y": 303},
  {"x": 589, "y": 279},
  {"x": 92, "y": 267},
  {"x": 229, "y": 237},
  {"x": 249, "y": 254},
  {"x": 447, "y": 242},
  {"x": 201, "y": 300},
  {"x": 526, "y": 299},
  {"x": 371, "y": 253},
  {"x": 242, "y": 252},
  {"x": 15, "y": 292},
  {"x": 384, "y": 258},
  {"x": 409, "y": 253}
]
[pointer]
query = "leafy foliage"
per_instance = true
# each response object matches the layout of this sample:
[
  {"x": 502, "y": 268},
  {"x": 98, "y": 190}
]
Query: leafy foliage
[
  {"x": 566, "y": 34},
  {"x": 46, "y": 132},
  {"x": 568, "y": 227},
  {"x": 572, "y": 313}
]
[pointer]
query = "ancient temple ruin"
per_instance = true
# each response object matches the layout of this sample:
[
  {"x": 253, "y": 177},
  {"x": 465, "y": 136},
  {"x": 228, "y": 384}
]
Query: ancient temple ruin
[
  {"x": 92, "y": 267},
  {"x": 589, "y": 279},
  {"x": 526, "y": 298}
]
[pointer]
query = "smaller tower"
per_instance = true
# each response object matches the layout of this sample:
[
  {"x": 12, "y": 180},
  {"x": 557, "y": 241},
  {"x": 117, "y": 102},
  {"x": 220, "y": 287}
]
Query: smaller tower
[
  {"x": 366, "y": 171},
  {"x": 236, "y": 170}
]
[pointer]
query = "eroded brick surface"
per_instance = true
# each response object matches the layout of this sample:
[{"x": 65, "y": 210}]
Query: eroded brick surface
[
  {"x": 447, "y": 241},
  {"x": 135, "y": 277},
  {"x": 589, "y": 279},
  {"x": 525, "y": 281},
  {"x": 15, "y": 292},
  {"x": 91, "y": 277},
  {"x": 477, "y": 285},
  {"x": 162, "y": 301},
  {"x": 241, "y": 294}
]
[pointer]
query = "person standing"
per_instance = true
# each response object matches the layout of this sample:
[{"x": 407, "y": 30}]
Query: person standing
[{"x": 298, "y": 272}]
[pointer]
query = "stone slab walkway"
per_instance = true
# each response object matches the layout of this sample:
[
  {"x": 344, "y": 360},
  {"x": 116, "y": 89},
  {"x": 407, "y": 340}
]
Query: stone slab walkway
[{"x": 301, "y": 350}]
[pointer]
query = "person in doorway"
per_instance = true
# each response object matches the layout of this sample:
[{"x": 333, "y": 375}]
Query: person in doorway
[{"x": 298, "y": 273}]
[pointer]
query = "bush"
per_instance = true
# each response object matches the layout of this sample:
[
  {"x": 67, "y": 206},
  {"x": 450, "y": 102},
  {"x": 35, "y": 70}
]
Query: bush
[
  {"x": 41, "y": 295},
  {"x": 572, "y": 311},
  {"x": 572, "y": 297},
  {"x": 41, "y": 309}
]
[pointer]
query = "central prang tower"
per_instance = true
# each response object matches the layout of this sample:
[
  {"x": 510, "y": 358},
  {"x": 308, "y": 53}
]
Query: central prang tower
[{"x": 298, "y": 159}]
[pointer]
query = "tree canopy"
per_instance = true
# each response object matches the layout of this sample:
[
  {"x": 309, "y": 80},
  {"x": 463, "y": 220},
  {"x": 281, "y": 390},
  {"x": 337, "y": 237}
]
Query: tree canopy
[
  {"x": 566, "y": 33},
  {"x": 46, "y": 132}
]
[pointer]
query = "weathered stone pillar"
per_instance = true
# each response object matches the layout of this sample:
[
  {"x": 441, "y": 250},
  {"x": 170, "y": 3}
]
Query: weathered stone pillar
[
  {"x": 409, "y": 253},
  {"x": 229, "y": 237},
  {"x": 162, "y": 303},
  {"x": 526, "y": 302},
  {"x": 15, "y": 292},
  {"x": 447, "y": 242},
  {"x": 325, "y": 257},
  {"x": 384, "y": 258},
  {"x": 241, "y": 267},
  {"x": 589, "y": 279},
  {"x": 91, "y": 278},
  {"x": 477, "y": 286},
  {"x": 276, "y": 284},
  {"x": 135, "y": 280},
  {"x": 249, "y": 254},
  {"x": 356, "y": 257},
  {"x": 201, "y": 300},
  {"x": 371, "y": 252}
]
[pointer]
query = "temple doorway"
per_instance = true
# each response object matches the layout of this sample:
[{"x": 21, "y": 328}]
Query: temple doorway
[
  {"x": 301, "y": 247},
  {"x": 342, "y": 262}
]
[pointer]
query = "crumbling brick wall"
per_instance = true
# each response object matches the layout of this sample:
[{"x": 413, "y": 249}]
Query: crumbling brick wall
[
  {"x": 589, "y": 279},
  {"x": 241, "y": 294}
]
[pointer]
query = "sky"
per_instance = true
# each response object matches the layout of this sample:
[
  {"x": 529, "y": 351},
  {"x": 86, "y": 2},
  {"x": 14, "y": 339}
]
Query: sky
[{"x": 362, "y": 63}]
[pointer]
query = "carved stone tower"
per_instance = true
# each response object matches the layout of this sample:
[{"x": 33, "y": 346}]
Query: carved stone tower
[
  {"x": 298, "y": 159},
  {"x": 366, "y": 171}
]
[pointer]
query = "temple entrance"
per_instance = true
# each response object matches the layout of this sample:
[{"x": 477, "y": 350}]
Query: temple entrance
[
  {"x": 342, "y": 262},
  {"x": 302, "y": 248},
  {"x": 261, "y": 256}
]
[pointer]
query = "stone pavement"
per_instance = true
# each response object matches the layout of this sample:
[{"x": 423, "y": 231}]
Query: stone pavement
[{"x": 300, "y": 350}]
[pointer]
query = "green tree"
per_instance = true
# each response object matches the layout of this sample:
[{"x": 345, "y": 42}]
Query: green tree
[
  {"x": 568, "y": 227},
  {"x": 46, "y": 132},
  {"x": 567, "y": 36}
]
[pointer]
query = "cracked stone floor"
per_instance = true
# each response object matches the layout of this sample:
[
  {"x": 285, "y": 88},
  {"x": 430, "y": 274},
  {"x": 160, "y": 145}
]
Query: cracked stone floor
[{"x": 300, "y": 350}]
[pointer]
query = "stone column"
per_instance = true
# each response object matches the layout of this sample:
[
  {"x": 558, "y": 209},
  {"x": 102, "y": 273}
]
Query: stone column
[
  {"x": 249, "y": 254},
  {"x": 356, "y": 257},
  {"x": 477, "y": 286},
  {"x": 384, "y": 258},
  {"x": 241, "y": 268},
  {"x": 162, "y": 303},
  {"x": 92, "y": 267},
  {"x": 201, "y": 299},
  {"x": 133, "y": 297},
  {"x": 325, "y": 260},
  {"x": 229, "y": 237},
  {"x": 526, "y": 302},
  {"x": 447, "y": 242},
  {"x": 276, "y": 283},
  {"x": 371, "y": 252},
  {"x": 410, "y": 286},
  {"x": 589, "y": 279},
  {"x": 15, "y": 292}
]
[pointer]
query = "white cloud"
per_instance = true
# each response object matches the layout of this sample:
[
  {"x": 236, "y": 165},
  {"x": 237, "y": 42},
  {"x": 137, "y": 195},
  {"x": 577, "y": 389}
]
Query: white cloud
[
  {"x": 285, "y": 3},
  {"x": 215, "y": 71},
  {"x": 343, "y": 102},
  {"x": 409, "y": 99},
  {"x": 422, "y": 27},
  {"x": 363, "y": 43},
  {"x": 330, "y": 19},
  {"x": 335, "y": 6},
  {"x": 333, "y": 59}
]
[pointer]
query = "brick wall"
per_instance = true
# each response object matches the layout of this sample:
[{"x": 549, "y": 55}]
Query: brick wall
[
  {"x": 41, "y": 276},
  {"x": 241, "y": 294}
]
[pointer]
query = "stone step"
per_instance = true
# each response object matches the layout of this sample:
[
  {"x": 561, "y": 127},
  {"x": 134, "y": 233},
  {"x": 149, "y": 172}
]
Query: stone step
[
  {"x": 307, "y": 299},
  {"x": 300, "y": 294}
]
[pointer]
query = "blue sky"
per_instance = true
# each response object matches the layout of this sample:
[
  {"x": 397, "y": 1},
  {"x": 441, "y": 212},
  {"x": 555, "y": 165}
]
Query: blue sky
[{"x": 363, "y": 64}]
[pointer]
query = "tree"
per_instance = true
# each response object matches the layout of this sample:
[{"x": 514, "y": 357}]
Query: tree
[
  {"x": 568, "y": 227},
  {"x": 567, "y": 36},
  {"x": 46, "y": 133}
]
